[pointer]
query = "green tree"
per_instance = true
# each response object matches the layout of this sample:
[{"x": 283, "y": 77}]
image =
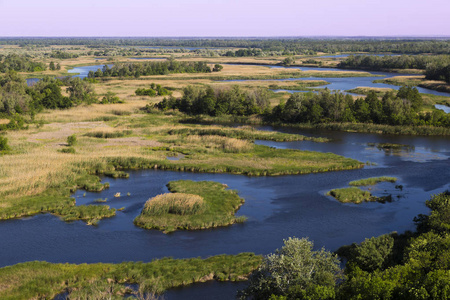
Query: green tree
[{"x": 295, "y": 271}]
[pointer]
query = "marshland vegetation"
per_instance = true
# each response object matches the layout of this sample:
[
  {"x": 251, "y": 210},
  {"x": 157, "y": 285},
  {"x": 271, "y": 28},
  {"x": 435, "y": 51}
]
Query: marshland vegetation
[
  {"x": 190, "y": 206},
  {"x": 34, "y": 280},
  {"x": 124, "y": 132}
]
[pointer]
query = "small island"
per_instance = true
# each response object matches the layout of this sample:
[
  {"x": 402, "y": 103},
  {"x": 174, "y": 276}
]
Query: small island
[
  {"x": 356, "y": 195},
  {"x": 191, "y": 206}
]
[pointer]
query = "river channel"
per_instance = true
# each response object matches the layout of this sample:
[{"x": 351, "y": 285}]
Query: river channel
[{"x": 276, "y": 207}]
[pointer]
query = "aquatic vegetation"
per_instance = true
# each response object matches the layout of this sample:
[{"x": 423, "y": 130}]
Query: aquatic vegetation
[
  {"x": 191, "y": 205},
  {"x": 356, "y": 195},
  {"x": 33, "y": 280},
  {"x": 351, "y": 194},
  {"x": 373, "y": 180}
]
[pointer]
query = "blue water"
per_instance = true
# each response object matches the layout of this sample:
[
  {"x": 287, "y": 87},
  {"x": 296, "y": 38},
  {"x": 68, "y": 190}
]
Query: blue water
[
  {"x": 347, "y": 83},
  {"x": 443, "y": 107},
  {"x": 276, "y": 207},
  {"x": 84, "y": 71}
]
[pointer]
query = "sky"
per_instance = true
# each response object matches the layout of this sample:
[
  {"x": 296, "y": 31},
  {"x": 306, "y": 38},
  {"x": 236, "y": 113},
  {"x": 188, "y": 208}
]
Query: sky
[{"x": 224, "y": 18}]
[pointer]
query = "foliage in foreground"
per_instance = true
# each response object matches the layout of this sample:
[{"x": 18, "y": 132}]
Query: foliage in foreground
[
  {"x": 42, "y": 280},
  {"x": 193, "y": 205},
  {"x": 413, "y": 265},
  {"x": 295, "y": 271},
  {"x": 407, "y": 266}
]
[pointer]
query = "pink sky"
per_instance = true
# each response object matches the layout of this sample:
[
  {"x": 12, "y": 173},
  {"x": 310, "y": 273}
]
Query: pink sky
[{"x": 225, "y": 18}]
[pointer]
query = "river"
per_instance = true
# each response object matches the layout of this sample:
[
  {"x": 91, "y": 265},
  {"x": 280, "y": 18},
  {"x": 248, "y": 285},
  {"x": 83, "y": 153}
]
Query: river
[{"x": 276, "y": 207}]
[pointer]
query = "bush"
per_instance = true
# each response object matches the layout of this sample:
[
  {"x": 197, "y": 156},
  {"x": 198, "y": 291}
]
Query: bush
[
  {"x": 68, "y": 150},
  {"x": 4, "y": 144},
  {"x": 295, "y": 271},
  {"x": 72, "y": 140}
]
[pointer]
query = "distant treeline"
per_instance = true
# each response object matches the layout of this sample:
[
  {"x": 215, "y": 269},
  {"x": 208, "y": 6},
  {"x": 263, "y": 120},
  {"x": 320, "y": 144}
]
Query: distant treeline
[
  {"x": 294, "y": 46},
  {"x": 20, "y": 63},
  {"x": 151, "y": 68},
  {"x": 436, "y": 67},
  {"x": 371, "y": 62}
]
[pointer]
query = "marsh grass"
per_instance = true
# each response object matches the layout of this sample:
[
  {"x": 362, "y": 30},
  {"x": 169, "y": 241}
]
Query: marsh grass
[
  {"x": 109, "y": 134},
  {"x": 174, "y": 203},
  {"x": 191, "y": 206},
  {"x": 247, "y": 133},
  {"x": 43, "y": 280},
  {"x": 372, "y": 181},
  {"x": 351, "y": 195}
]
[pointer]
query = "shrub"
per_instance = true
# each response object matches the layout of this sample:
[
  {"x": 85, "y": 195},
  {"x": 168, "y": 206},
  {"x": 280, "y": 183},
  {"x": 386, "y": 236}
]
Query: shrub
[
  {"x": 72, "y": 140},
  {"x": 4, "y": 144}
]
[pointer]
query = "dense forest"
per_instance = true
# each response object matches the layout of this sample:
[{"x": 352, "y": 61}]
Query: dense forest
[{"x": 291, "y": 45}]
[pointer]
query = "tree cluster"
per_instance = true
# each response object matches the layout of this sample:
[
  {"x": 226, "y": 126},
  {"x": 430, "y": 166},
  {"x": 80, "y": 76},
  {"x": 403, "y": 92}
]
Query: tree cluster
[
  {"x": 17, "y": 98},
  {"x": 151, "y": 68},
  {"x": 63, "y": 55},
  {"x": 153, "y": 91},
  {"x": 395, "y": 108},
  {"x": 438, "y": 71},
  {"x": 370, "y": 62},
  {"x": 20, "y": 63},
  {"x": 218, "y": 101}
]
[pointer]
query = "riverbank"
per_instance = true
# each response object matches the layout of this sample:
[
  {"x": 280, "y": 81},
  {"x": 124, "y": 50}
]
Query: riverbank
[
  {"x": 41, "y": 178},
  {"x": 34, "y": 280}
]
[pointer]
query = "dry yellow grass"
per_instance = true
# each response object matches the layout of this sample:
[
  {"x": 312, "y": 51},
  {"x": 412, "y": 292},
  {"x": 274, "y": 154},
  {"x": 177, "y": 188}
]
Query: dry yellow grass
[
  {"x": 176, "y": 203},
  {"x": 219, "y": 142}
]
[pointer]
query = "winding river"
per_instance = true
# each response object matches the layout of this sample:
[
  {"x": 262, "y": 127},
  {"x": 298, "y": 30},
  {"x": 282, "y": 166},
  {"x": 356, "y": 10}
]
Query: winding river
[{"x": 276, "y": 207}]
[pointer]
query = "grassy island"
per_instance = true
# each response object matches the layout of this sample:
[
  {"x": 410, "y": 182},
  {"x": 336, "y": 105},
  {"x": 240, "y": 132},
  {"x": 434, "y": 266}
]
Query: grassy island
[
  {"x": 43, "y": 280},
  {"x": 372, "y": 180},
  {"x": 356, "y": 195},
  {"x": 191, "y": 205}
]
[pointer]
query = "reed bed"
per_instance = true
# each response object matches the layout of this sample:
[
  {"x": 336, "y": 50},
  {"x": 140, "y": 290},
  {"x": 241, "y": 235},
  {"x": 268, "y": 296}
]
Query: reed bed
[
  {"x": 174, "y": 203},
  {"x": 245, "y": 132},
  {"x": 191, "y": 206},
  {"x": 43, "y": 280}
]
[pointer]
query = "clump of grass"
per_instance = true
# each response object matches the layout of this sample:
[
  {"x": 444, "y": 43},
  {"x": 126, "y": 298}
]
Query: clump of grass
[
  {"x": 68, "y": 150},
  {"x": 100, "y": 200},
  {"x": 174, "y": 203},
  {"x": 351, "y": 194},
  {"x": 109, "y": 134},
  {"x": 372, "y": 180},
  {"x": 191, "y": 206}
]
